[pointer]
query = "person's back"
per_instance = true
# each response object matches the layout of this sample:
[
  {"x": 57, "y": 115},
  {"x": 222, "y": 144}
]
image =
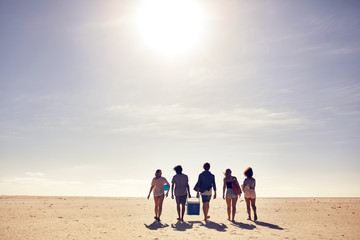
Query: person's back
[
  {"x": 206, "y": 181},
  {"x": 181, "y": 182},
  {"x": 249, "y": 191},
  {"x": 158, "y": 184},
  {"x": 181, "y": 190},
  {"x": 204, "y": 186},
  {"x": 250, "y": 183}
]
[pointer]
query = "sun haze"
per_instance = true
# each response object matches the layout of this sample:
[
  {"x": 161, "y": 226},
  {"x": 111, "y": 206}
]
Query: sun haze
[
  {"x": 170, "y": 27},
  {"x": 97, "y": 95}
]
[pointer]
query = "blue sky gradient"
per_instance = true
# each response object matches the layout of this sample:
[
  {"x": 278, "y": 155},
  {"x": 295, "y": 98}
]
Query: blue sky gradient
[{"x": 88, "y": 108}]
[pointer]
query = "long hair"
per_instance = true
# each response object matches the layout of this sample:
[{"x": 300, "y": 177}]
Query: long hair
[{"x": 227, "y": 171}]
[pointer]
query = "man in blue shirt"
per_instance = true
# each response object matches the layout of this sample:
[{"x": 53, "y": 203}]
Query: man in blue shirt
[{"x": 204, "y": 186}]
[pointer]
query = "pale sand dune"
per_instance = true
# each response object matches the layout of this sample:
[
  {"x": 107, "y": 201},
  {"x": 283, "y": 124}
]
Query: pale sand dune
[{"x": 132, "y": 218}]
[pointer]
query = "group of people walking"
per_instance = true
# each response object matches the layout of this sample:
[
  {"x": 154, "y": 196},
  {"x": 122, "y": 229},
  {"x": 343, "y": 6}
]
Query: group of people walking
[{"x": 204, "y": 188}]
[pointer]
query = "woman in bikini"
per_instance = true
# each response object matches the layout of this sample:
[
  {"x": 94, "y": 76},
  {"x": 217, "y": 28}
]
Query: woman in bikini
[{"x": 230, "y": 197}]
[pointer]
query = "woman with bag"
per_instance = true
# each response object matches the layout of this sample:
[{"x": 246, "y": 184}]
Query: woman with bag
[{"x": 232, "y": 191}]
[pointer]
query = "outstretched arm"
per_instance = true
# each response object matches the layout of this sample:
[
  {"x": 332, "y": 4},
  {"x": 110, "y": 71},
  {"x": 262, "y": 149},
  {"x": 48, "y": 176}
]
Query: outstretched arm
[
  {"x": 214, "y": 186},
  {"x": 172, "y": 190},
  {"x": 198, "y": 187},
  {"x": 167, "y": 193},
  {"x": 188, "y": 190},
  {"x": 151, "y": 188},
  {"x": 224, "y": 187}
]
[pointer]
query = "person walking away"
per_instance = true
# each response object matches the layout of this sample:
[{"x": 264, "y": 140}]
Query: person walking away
[
  {"x": 249, "y": 192},
  {"x": 204, "y": 185},
  {"x": 157, "y": 184},
  {"x": 181, "y": 183},
  {"x": 230, "y": 197}
]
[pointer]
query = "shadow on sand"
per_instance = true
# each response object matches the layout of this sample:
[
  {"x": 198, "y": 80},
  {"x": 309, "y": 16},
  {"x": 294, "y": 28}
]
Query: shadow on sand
[
  {"x": 216, "y": 226},
  {"x": 269, "y": 225},
  {"x": 182, "y": 226},
  {"x": 244, "y": 225},
  {"x": 156, "y": 225},
  {"x": 211, "y": 225}
]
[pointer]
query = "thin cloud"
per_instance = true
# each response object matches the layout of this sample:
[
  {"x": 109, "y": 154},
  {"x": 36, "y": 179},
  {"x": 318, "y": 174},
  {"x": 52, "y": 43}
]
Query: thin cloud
[
  {"x": 348, "y": 94},
  {"x": 342, "y": 51},
  {"x": 34, "y": 174},
  {"x": 126, "y": 181},
  {"x": 184, "y": 121},
  {"x": 328, "y": 49},
  {"x": 36, "y": 181},
  {"x": 48, "y": 186}
]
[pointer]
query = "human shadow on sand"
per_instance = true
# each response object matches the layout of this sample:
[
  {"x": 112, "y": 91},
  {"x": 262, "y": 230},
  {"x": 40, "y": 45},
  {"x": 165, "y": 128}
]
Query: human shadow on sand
[
  {"x": 156, "y": 225},
  {"x": 244, "y": 225},
  {"x": 211, "y": 225},
  {"x": 269, "y": 225},
  {"x": 182, "y": 226}
]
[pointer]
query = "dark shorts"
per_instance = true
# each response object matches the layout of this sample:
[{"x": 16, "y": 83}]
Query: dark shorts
[
  {"x": 159, "y": 196},
  {"x": 181, "y": 199},
  {"x": 205, "y": 198}
]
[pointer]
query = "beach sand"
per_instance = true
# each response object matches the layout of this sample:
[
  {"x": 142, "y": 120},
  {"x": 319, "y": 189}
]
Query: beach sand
[{"x": 132, "y": 218}]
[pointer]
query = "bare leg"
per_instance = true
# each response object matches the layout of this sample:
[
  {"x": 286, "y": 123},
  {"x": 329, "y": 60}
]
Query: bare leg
[
  {"x": 206, "y": 206},
  {"x": 182, "y": 212},
  {"x": 204, "y": 210},
  {"x": 234, "y": 201},
  {"x": 254, "y": 208},
  {"x": 161, "y": 200},
  {"x": 228, "y": 203},
  {"x": 156, "y": 200},
  {"x": 178, "y": 211},
  {"x": 247, "y": 200}
]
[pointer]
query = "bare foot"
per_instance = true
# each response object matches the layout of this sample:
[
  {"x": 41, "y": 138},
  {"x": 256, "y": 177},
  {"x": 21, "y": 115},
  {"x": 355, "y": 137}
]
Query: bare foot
[
  {"x": 249, "y": 218},
  {"x": 179, "y": 219},
  {"x": 255, "y": 216}
]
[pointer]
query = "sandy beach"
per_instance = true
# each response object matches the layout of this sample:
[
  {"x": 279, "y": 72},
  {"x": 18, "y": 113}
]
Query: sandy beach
[{"x": 132, "y": 218}]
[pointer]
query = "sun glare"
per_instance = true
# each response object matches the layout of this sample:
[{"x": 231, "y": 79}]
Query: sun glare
[{"x": 170, "y": 27}]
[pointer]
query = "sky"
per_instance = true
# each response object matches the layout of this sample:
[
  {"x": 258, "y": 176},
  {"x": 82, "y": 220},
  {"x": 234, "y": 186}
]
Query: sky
[{"x": 97, "y": 95}]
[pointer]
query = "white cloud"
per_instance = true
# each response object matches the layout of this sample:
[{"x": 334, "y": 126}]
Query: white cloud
[
  {"x": 34, "y": 174},
  {"x": 328, "y": 49},
  {"x": 349, "y": 93},
  {"x": 343, "y": 51},
  {"x": 50, "y": 187},
  {"x": 37, "y": 181},
  {"x": 126, "y": 181},
  {"x": 177, "y": 120}
]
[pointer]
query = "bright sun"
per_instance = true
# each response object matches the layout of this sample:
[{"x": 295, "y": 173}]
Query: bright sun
[{"x": 171, "y": 27}]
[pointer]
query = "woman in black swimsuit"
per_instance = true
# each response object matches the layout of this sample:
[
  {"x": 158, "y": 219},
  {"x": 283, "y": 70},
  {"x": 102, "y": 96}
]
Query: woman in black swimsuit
[{"x": 230, "y": 197}]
